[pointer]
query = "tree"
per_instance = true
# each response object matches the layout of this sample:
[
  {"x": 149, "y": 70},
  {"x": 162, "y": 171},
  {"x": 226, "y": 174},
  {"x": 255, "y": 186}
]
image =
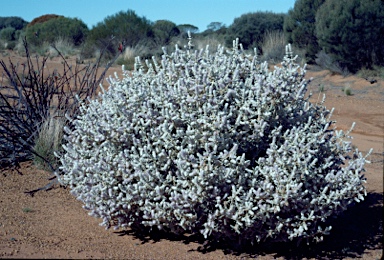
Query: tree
[
  {"x": 43, "y": 19},
  {"x": 352, "y": 32},
  {"x": 124, "y": 26},
  {"x": 184, "y": 28},
  {"x": 299, "y": 26},
  {"x": 164, "y": 30},
  {"x": 71, "y": 29},
  {"x": 15, "y": 22},
  {"x": 214, "y": 26},
  {"x": 250, "y": 28}
]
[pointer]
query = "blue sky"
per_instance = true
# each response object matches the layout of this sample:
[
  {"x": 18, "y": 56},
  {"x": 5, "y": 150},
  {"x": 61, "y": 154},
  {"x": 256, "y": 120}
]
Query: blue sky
[{"x": 196, "y": 12}]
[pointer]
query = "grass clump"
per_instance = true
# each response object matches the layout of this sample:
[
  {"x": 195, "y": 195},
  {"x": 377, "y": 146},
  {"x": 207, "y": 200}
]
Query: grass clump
[
  {"x": 347, "y": 90},
  {"x": 371, "y": 74},
  {"x": 27, "y": 210},
  {"x": 49, "y": 140},
  {"x": 321, "y": 88},
  {"x": 273, "y": 46}
]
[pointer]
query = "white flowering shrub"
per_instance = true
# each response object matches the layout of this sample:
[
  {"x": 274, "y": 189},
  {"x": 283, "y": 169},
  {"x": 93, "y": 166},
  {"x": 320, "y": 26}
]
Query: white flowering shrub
[{"x": 215, "y": 144}]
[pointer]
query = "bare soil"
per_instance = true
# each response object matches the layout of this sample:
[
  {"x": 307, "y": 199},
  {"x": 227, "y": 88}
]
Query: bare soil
[{"x": 53, "y": 224}]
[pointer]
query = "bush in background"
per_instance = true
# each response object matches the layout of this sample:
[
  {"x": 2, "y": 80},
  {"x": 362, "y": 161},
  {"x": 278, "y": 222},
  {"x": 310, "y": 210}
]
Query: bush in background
[
  {"x": 185, "y": 28},
  {"x": 371, "y": 74},
  {"x": 43, "y": 19},
  {"x": 8, "y": 34},
  {"x": 71, "y": 29},
  {"x": 12, "y": 21},
  {"x": 251, "y": 27},
  {"x": 129, "y": 55},
  {"x": 164, "y": 31},
  {"x": 127, "y": 28},
  {"x": 351, "y": 32},
  {"x": 326, "y": 61},
  {"x": 62, "y": 46}
]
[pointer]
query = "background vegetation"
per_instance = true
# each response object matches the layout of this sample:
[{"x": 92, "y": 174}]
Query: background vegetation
[
  {"x": 71, "y": 29},
  {"x": 352, "y": 32},
  {"x": 342, "y": 36},
  {"x": 251, "y": 27}
]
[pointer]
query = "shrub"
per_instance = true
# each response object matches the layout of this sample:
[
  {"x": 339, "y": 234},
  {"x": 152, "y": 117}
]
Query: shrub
[
  {"x": 212, "y": 143},
  {"x": 70, "y": 29},
  {"x": 128, "y": 57},
  {"x": 43, "y": 19},
  {"x": 250, "y": 28},
  {"x": 212, "y": 42},
  {"x": 347, "y": 90},
  {"x": 7, "y": 34},
  {"x": 215, "y": 26},
  {"x": 126, "y": 27},
  {"x": 62, "y": 46},
  {"x": 326, "y": 61},
  {"x": 371, "y": 74},
  {"x": 12, "y": 21},
  {"x": 163, "y": 31},
  {"x": 352, "y": 32}
]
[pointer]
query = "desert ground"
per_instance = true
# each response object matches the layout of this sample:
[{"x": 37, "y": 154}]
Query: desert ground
[{"x": 53, "y": 224}]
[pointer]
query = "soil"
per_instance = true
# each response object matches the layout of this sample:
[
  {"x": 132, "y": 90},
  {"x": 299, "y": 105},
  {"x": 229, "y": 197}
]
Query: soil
[{"x": 53, "y": 224}]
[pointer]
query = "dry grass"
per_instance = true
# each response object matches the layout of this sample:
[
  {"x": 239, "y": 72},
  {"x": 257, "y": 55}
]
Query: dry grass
[
  {"x": 62, "y": 46},
  {"x": 273, "y": 46},
  {"x": 48, "y": 141}
]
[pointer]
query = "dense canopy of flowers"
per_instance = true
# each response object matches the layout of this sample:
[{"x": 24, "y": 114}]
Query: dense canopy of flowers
[{"x": 212, "y": 143}]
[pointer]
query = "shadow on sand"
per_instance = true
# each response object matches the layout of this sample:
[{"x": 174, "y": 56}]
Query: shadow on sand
[{"x": 358, "y": 229}]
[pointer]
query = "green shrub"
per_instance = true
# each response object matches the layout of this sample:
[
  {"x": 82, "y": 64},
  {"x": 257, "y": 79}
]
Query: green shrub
[
  {"x": 11, "y": 45},
  {"x": 8, "y": 34},
  {"x": 71, "y": 29},
  {"x": 125, "y": 27},
  {"x": 371, "y": 74},
  {"x": 215, "y": 26},
  {"x": 164, "y": 31},
  {"x": 14, "y": 22},
  {"x": 347, "y": 90},
  {"x": 251, "y": 27},
  {"x": 214, "y": 144},
  {"x": 352, "y": 32}
]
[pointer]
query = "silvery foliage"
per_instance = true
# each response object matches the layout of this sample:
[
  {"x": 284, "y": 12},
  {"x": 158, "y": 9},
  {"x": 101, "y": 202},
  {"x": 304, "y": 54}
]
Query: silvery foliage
[{"x": 212, "y": 143}]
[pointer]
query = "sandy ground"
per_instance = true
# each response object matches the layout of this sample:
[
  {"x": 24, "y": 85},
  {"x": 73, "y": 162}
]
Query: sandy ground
[{"x": 52, "y": 224}]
